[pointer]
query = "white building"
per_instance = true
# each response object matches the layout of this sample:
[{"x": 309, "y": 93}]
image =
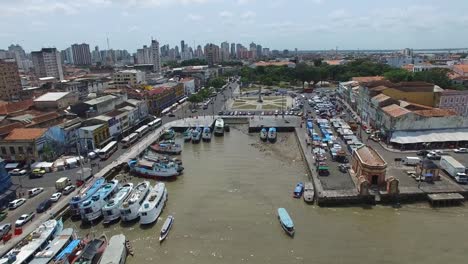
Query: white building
[
  {"x": 189, "y": 85},
  {"x": 155, "y": 56},
  {"x": 143, "y": 56},
  {"x": 47, "y": 63},
  {"x": 128, "y": 77}
]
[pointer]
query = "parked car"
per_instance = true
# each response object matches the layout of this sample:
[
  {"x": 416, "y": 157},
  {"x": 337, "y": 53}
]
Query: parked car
[
  {"x": 42, "y": 207},
  {"x": 93, "y": 154},
  {"x": 422, "y": 152},
  {"x": 55, "y": 197},
  {"x": 18, "y": 172},
  {"x": 368, "y": 131},
  {"x": 220, "y": 113},
  {"x": 194, "y": 110},
  {"x": 461, "y": 150},
  {"x": 16, "y": 203},
  {"x": 343, "y": 167},
  {"x": 23, "y": 219},
  {"x": 433, "y": 155},
  {"x": 171, "y": 115},
  {"x": 4, "y": 229},
  {"x": 3, "y": 215},
  {"x": 39, "y": 171},
  {"x": 35, "y": 191},
  {"x": 67, "y": 190}
]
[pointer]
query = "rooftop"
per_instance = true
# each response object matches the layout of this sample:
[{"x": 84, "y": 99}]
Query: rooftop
[
  {"x": 129, "y": 71},
  {"x": 91, "y": 128},
  {"x": 100, "y": 100},
  {"x": 52, "y": 96},
  {"x": 394, "y": 110},
  {"x": 435, "y": 112},
  {"x": 26, "y": 133},
  {"x": 380, "y": 98},
  {"x": 273, "y": 63},
  {"x": 369, "y": 156},
  {"x": 461, "y": 67},
  {"x": 8, "y": 108},
  {"x": 367, "y": 79}
]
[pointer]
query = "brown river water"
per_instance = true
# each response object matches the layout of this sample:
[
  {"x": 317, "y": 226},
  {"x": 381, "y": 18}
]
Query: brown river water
[{"x": 225, "y": 212}]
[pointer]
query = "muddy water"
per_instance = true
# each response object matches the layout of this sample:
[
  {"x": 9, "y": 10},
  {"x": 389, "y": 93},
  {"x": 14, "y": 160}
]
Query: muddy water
[{"x": 225, "y": 212}]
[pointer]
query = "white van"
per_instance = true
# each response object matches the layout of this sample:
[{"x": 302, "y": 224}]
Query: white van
[{"x": 411, "y": 161}]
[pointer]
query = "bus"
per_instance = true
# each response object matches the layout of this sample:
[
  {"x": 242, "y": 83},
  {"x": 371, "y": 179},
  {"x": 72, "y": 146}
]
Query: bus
[
  {"x": 129, "y": 140},
  {"x": 155, "y": 123},
  {"x": 107, "y": 151},
  {"x": 142, "y": 130}
]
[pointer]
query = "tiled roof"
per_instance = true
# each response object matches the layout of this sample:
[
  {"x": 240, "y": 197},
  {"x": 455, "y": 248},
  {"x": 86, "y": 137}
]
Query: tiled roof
[
  {"x": 436, "y": 112},
  {"x": 369, "y": 156},
  {"x": 367, "y": 79},
  {"x": 26, "y": 133},
  {"x": 273, "y": 63},
  {"x": 461, "y": 67},
  {"x": 8, "y": 108},
  {"x": 158, "y": 90},
  {"x": 394, "y": 110},
  {"x": 334, "y": 62},
  {"x": 6, "y": 129},
  {"x": 380, "y": 98}
]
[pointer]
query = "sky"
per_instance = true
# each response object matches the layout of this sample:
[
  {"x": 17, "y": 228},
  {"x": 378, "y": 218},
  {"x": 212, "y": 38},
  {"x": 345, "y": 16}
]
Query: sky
[{"x": 277, "y": 24}]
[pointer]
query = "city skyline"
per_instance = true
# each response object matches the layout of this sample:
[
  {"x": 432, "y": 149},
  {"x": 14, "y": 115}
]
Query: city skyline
[{"x": 316, "y": 25}]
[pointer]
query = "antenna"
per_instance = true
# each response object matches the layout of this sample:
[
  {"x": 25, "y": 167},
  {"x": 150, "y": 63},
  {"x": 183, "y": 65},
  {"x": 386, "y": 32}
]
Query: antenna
[{"x": 108, "y": 46}]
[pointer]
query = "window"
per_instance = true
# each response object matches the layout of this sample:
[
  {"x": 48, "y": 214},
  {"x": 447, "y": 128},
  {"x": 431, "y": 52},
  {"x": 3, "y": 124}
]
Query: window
[
  {"x": 12, "y": 150},
  {"x": 20, "y": 150},
  {"x": 3, "y": 150}
]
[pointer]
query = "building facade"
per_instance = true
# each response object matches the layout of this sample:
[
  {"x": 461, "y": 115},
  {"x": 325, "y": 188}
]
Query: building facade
[
  {"x": 47, "y": 63},
  {"x": 212, "y": 54},
  {"x": 81, "y": 54},
  {"x": 23, "y": 144},
  {"x": 55, "y": 100},
  {"x": 128, "y": 78},
  {"x": 93, "y": 137},
  {"x": 155, "y": 56},
  {"x": 368, "y": 164},
  {"x": 10, "y": 82},
  {"x": 455, "y": 100}
]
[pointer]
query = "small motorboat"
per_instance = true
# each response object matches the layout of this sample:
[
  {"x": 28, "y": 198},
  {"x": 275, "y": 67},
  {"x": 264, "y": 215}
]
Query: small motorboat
[
  {"x": 264, "y": 134},
  {"x": 187, "y": 135},
  {"x": 166, "y": 227},
  {"x": 298, "y": 190},
  {"x": 309, "y": 192},
  {"x": 272, "y": 134},
  {"x": 286, "y": 221}
]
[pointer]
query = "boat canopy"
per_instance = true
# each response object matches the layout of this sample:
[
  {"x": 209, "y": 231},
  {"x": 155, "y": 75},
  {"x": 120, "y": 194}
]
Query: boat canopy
[
  {"x": 68, "y": 250},
  {"x": 284, "y": 217}
]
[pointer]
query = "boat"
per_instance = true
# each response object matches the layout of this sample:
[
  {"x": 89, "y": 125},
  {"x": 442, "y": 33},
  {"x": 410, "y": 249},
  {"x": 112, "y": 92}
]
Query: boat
[
  {"x": 111, "y": 210},
  {"x": 263, "y": 134},
  {"x": 163, "y": 159},
  {"x": 71, "y": 252},
  {"x": 167, "y": 147},
  {"x": 196, "y": 135},
  {"x": 130, "y": 206},
  {"x": 24, "y": 251},
  {"x": 116, "y": 251},
  {"x": 187, "y": 135},
  {"x": 219, "y": 127},
  {"x": 84, "y": 194},
  {"x": 272, "y": 134},
  {"x": 286, "y": 221},
  {"x": 206, "y": 135},
  {"x": 298, "y": 190},
  {"x": 155, "y": 170},
  {"x": 166, "y": 227},
  {"x": 309, "y": 192},
  {"x": 168, "y": 134},
  {"x": 91, "y": 209},
  {"x": 153, "y": 204},
  {"x": 54, "y": 247},
  {"x": 93, "y": 251}
]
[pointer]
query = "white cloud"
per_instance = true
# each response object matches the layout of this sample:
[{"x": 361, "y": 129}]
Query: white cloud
[
  {"x": 193, "y": 17},
  {"x": 225, "y": 14},
  {"x": 248, "y": 15}
]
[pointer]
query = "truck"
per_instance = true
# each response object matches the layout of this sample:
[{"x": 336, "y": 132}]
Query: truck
[
  {"x": 411, "y": 161},
  {"x": 61, "y": 183},
  {"x": 454, "y": 168}
]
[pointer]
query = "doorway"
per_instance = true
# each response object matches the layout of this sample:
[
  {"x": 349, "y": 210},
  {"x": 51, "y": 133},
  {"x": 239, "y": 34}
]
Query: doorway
[{"x": 375, "y": 180}]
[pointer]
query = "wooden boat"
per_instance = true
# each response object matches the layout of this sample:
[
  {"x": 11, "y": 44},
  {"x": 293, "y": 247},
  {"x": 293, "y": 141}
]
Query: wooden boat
[
  {"x": 309, "y": 192},
  {"x": 298, "y": 190},
  {"x": 93, "y": 251},
  {"x": 166, "y": 227},
  {"x": 286, "y": 221},
  {"x": 264, "y": 134},
  {"x": 116, "y": 251}
]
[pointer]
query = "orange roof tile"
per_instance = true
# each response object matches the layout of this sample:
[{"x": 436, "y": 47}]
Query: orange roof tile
[
  {"x": 461, "y": 67},
  {"x": 369, "y": 156},
  {"x": 6, "y": 129},
  {"x": 26, "y": 133},
  {"x": 8, "y": 108},
  {"x": 334, "y": 62},
  {"x": 394, "y": 110},
  {"x": 367, "y": 79},
  {"x": 408, "y": 67}
]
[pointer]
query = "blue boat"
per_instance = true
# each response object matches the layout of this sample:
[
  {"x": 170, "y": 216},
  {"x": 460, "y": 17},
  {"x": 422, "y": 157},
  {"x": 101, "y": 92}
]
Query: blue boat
[
  {"x": 298, "y": 190},
  {"x": 272, "y": 134},
  {"x": 84, "y": 195},
  {"x": 286, "y": 221},
  {"x": 197, "y": 134},
  {"x": 68, "y": 253},
  {"x": 91, "y": 209},
  {"x": 263, "y": 134}
]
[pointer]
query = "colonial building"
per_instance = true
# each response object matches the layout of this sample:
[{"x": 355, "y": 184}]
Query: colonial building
[
  {"x": 23, "y": 144},
  {"x": 366, "y": 162}
]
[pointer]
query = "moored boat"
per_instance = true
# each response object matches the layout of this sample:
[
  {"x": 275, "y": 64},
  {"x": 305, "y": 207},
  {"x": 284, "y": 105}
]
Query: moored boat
[
  {"x": 227, "y": 128},
  {"x": 298, "y": 190},
  {"x": 71, "y": 252},
  {"x": 263, "y": 134},
  {"x": 130, "y": 206},
  {"x": 168, "y": 134},
  {"x": 165, "y": 228},
  {"x": 187, "y": 135},
  {"x": 219, "y": 127},
  {"x": 111, "y": 210},
  {"x": 206, "y": 135},
  {"x": 116, "y": 251},
  {"x": 272, "y": 134},
  {"x": 286, "y": 221},
  {"x": 54, "y": 247},
  {"x": 153, "y": 204},
  {"x": 91, "y": 209},
  {"x": 155, "y": 170},
  {"x": 196, "y": 135},
  {"x": 93, "y": 251},
  {"x": 309, "y": 192},
  {"x": 85, "y": 193},
  {"x": 167, "y": 147}
]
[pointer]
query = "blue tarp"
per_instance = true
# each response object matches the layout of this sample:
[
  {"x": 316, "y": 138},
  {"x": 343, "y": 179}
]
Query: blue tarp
[{"x": 68, "y": 250}]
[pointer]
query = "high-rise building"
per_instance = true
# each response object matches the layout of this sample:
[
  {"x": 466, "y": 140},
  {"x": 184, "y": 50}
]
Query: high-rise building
[
  {"x": 259, "y": 50},
  {"x": 253, "y": 50},
  {"x": 67, "y": 56},
  {"x": 143, "y": 56},
  {"x": 239, "y": 49},
  {"x": 96, "y": 55},
  {"x": 233, "y": 50},
  {"x": 212, "y": 54},
  {"x": 155, "y": 56},
  {"x": 177, "y": 53},
  {"x": 18, "y": 54},
  {"x": 182, "y": 46},
  {"x": 224, "y": 51},
  {"x": 81, "y": 54},
  {"x": 266, "y": 52},
  {"x": 47, "y": 63},
  {"x": 199, "y": 52},
  {"x": 10, "y": 82}
]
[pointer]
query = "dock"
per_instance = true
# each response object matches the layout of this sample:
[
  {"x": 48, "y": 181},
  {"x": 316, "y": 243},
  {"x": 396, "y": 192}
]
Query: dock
[
  {"x": 445, "y": 199},
  {"x": 282, "y": 124}
]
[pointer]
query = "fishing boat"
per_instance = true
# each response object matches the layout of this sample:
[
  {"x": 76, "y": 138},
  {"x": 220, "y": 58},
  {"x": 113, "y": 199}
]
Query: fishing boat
[
  {"x": 168, "y": 134},
  {"x": 116, "y": 251},
  {"x": 187, "y": 135},
  {"x": 155, "y": 170},
  {"x": 196, "y": 135},
  {"x": 219, "y": 127},
  {"x": 164, "y": 159},
  {"x": 54, "y": 247},
  {"x": 24, "y": 251},
  {"x": 206, "y": 135},
  {"x": 111, "y": 210},
  {"x": 272, "y": 134},
  {"x": 167, "y": 147},
  {"x": 298, "y": 190},
  {"x": 166, "y": 227},
  {"x": 71, "y": 252},
  {"x": 93, "y": 251},
  {"x": 286, "y": 221},
  {"x": 153, "y": 204},
  {"x": 130, "y": 206},
  {"x": 263, "y": 134},
  {"x": 85, "y": 193},
  {"x": 309, "y": 192},
  {"x": 91, "y": 209}
]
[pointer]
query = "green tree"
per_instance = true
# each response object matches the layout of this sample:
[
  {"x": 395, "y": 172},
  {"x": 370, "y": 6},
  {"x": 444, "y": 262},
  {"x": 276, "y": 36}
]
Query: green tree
[
  {"x": 438, "y": 76},
  {"x": 398, "y": 75},
  {"x": 217, "y": 83},
  {"x": 318, "y": 62}
]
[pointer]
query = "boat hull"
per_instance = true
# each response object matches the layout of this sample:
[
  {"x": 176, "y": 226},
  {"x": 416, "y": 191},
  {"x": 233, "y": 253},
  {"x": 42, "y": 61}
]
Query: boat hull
[
  {"x": 286, "y": 222},
  {"x": 167, "y": 226},
  {"x": 219, "y": 133},
  {"x": 153, "y": 215},
  {"x": 111, "y": 215}
]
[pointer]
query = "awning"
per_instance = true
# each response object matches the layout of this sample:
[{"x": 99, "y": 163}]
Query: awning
[
  {"x": 11, "y": 166},
  {"x": 423, "y": 136}
]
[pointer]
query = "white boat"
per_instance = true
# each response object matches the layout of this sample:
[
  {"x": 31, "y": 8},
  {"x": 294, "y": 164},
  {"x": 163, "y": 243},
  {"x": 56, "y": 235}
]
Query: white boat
[
  {"x": 162, "y": 170},
  {"x": 130, "y": 206},
  {"x": 263, "y": 134},
  {"x": 272, "y": 134},
  {"x": 91, "y": 209},
  {"x": 206, "y": 135},
  {"x": 153, "y": 205},
  {"x": 309, "y": 192},
  {"x": 54, "y": 247},
  {"x": 86, "y": 192},
  {"x": 116, "y": 251},
  {"x": 25, "y": 250},
  {"x": 196, "y": 135},
  {"x": 111, "y": 210},
  {"x": 187, "y": 135},
  {"x": 219, "y": 127},
  {"x": 165, "y": 228}
]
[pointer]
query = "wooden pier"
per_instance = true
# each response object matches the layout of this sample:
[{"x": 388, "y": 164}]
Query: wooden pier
[{"x": 445, "y": 199}]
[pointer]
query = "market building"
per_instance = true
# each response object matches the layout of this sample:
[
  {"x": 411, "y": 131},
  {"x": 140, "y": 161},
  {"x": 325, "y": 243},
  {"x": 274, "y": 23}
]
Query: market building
[{"x": 367, "y": 164}]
